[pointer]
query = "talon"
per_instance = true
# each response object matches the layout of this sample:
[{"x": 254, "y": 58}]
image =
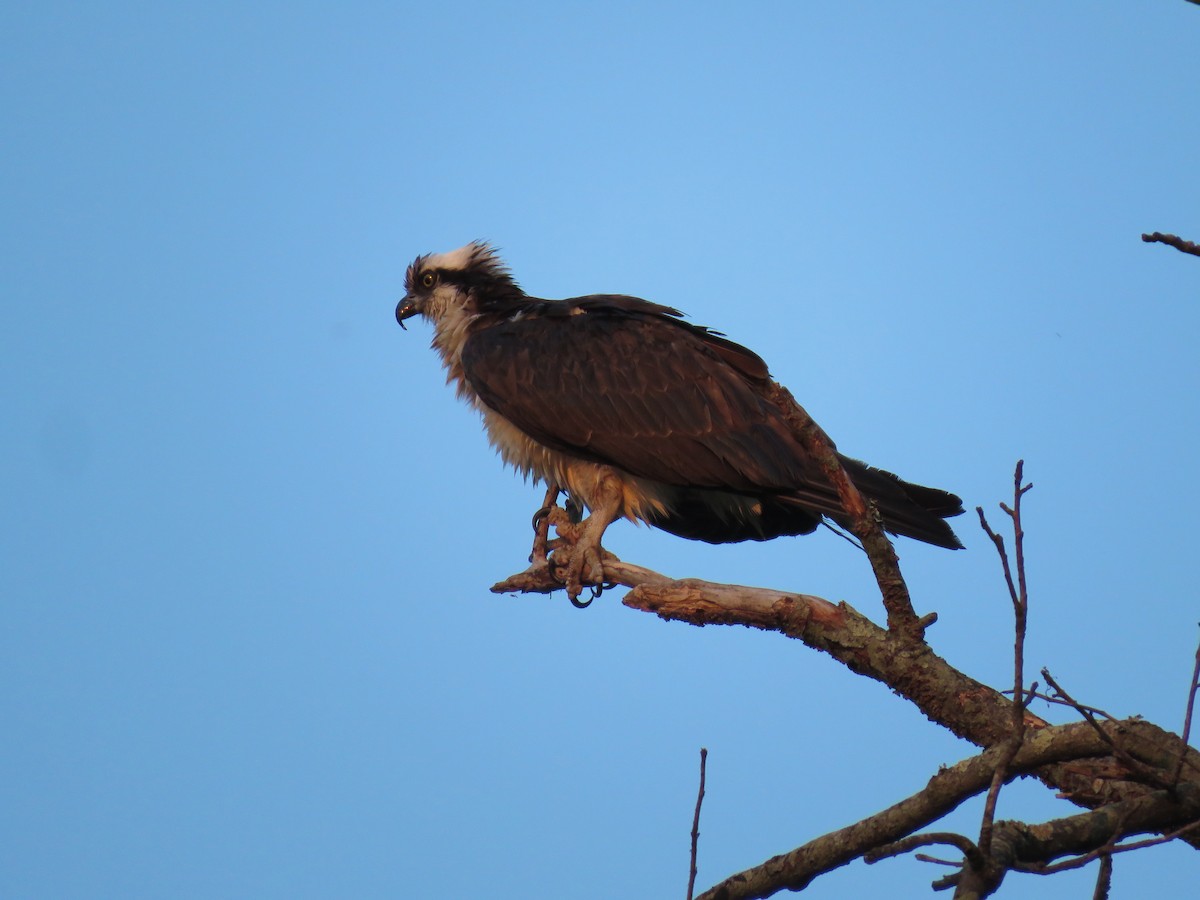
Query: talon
[
  {"x": 584, "y": 568},
  {"x": 593, "y": 566},
  {"x": 578, "y": 558},
  {"x": 540, "y": 515}
]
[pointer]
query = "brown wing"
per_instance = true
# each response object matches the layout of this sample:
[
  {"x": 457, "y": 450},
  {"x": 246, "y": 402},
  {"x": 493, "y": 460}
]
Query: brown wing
[
  {"x": 618, "y": 381},
  {"x": 657, "y": 398}
]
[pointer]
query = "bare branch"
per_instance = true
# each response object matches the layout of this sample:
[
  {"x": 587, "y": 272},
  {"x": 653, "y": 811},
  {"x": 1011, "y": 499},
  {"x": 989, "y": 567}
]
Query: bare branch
[
  {"x": 906, "y": 845},
  {"x": 1020, "y": 601},
  {"x": 1059, "y": 701},
  {"x": 1145, "y": 773},
  {"x": 936, "y": 860},
  {"x": 1086, "y": 832},
  {"x": 966, "y": 707},
  {"x": 541, "y": 580},
  {"x": 1187, "y": 718},
  {"x": 944, "y": 792},
  {"x": 999, "y": 778},
  {"x": 980, "y": 876},
  {"x": 947, "y": 696},
  {"x": 999, "y": 542},
  {"x": 696, "y": 824},
  {"x": 1172, "y": 240},
  {"x": 1109, "y": 848},
  {"x": 1033, "y": 848},
  {"x": 1103, "y": 878}
]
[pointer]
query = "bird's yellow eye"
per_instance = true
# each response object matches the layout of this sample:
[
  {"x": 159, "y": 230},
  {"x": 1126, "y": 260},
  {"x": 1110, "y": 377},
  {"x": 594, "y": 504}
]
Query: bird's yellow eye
[{"x": 428, "y": 279}]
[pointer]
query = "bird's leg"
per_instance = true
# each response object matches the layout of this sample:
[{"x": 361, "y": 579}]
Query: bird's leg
[
  {"x": 541, "y": 527},
  {"x": 586, "y": 563}
]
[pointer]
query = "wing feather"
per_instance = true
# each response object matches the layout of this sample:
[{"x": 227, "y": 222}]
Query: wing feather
[
  {"x": 619, "y": 381},
  {"x": 654, "y": 397}
]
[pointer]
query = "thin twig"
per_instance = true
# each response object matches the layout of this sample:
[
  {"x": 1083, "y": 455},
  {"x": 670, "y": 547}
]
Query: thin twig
[
  {"x": 1187, "y": 719},
  {"x": 905, "y": 845},
  {"x": 1172, "y": 240},
  {"x": 696, "y": 824},
  {"x": 947, "y": 881},
  {"x": 1019, "y": 594},
  {"x": 1032, "y": 694},
  {"x": 999, "y": 542},
  {"x": 989, "y": 806},
  {"x": 1146, "y": 773},
  {"x": 937, "y": 860},
  {"x": 1085, "y": 711},
  {"x": 1155, "y": 841}
]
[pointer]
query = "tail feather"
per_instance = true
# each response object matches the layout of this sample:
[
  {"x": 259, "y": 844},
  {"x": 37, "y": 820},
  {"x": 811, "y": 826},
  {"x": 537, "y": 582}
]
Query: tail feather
[
  {"x": 912, "y": 510},
  {"x": 720, "y": 517}
]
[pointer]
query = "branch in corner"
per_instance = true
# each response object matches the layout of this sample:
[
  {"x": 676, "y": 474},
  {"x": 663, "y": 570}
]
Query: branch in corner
[
  {"x": 1187, "y": 718},
  {"x": 947, "y": 789},
  {"x": 696, "y": 824},
  {"x": 1173, "y": 240},
  {"x": 983, "y": 873}
]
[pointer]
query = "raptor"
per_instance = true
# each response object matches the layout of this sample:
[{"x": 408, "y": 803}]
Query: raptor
[{"x": 634, "y": 412}]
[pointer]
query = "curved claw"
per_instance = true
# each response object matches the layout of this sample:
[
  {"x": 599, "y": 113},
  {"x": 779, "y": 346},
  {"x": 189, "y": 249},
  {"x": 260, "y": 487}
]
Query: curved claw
[
  {"x": 541, "y": 514},
  {"x": 583, "y": 604}
]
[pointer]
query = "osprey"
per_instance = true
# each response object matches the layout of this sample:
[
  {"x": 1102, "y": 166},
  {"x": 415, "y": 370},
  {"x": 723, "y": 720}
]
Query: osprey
[{"x": 636, "y": 413}]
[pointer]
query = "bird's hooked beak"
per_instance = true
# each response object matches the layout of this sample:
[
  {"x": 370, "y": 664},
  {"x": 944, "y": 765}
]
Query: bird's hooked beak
[{"x": 406, "y": 309}]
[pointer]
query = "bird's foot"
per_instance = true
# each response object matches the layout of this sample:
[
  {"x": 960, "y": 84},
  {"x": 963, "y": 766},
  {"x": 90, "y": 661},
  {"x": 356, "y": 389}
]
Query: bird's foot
[
  {"x": 585, "y": 568},
  {"x": 582, "y": 561},
  {"x": 574, "y": 557}
]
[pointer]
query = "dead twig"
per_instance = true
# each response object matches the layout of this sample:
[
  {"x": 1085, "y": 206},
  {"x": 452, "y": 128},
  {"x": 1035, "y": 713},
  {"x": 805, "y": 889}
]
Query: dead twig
[
  {"x": 969, "y": 851},
  {"x": 937, "y": 860},
  {"x": 1038, "y": 695},
  {"x": 1019, "y": 595},
  {"x": 1136, "y": 767},
  {"x": 1187, "y": 718},
  {"x": 696, "y": 824},
  {"x": 1172, "y": 240},
  {"x": 1103, "y": 878}
]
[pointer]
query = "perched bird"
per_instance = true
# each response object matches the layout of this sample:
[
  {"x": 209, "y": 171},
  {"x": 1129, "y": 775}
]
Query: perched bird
[{"x": 634, "y": 412}]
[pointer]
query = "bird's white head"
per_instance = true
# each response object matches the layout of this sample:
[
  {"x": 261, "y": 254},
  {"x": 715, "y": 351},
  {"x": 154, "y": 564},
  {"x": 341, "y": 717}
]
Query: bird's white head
[
  {"x": 461, "y": 283},
  {"x": 453, "y": 290}
]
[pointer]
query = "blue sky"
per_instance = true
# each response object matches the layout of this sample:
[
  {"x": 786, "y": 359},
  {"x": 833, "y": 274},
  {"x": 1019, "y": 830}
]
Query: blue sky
[{"x": 247, "y": 533}]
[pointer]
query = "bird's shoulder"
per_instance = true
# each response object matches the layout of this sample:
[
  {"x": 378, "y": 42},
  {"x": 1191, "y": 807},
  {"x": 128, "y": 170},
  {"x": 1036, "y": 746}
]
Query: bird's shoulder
[{"x": 606, "y": 323}]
